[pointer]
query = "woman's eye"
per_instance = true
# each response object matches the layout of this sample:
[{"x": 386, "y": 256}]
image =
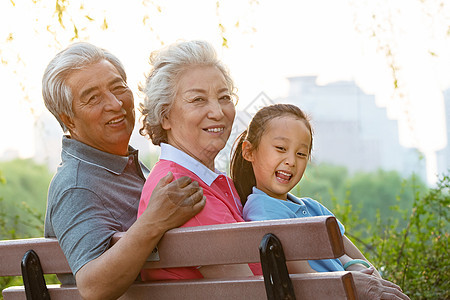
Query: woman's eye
[
  {"x": 198, "y": 99},
  {"x": 226, "y": 98}
]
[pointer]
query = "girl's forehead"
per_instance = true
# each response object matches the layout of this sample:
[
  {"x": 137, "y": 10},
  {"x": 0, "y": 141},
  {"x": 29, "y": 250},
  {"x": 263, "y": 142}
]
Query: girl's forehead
[
  {"x": 285, "y": 121},
  {"x": 288, "y": 128}
]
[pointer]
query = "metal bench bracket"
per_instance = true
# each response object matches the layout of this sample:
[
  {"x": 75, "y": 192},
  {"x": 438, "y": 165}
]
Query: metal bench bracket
[
  {"x": 33, "y": 277},
  {"x": 276, "y": 276}
]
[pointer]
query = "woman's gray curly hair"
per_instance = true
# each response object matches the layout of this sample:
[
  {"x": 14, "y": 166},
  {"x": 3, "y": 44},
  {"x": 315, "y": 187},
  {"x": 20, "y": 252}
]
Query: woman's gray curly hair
[
  {"x": 55, "y": 91},
  {"x": 161, "y": 84}
]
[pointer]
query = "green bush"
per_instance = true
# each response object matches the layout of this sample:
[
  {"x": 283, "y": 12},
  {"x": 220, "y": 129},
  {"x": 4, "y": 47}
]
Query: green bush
[
  {"x": 23, "y": 198},
  {"x": 401, "y": 226},
  {"x": 417, "y": 257},
  {"x": 414, "y": 256}
]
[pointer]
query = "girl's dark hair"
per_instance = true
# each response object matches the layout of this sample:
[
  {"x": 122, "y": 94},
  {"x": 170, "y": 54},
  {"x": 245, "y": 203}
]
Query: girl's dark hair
[{"x": 241, "y": 169}]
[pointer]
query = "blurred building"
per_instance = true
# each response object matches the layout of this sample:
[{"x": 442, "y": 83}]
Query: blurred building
[{"x": 350, "y": 130}]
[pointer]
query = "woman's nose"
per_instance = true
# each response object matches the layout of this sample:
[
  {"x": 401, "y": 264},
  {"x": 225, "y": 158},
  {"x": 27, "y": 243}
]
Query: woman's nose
[{"x": 215, "y": 110}]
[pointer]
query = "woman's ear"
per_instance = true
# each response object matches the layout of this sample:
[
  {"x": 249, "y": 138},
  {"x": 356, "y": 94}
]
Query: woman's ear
[
  {"x": 165, "y": 123},
  {"x": 247, "y": 152}
]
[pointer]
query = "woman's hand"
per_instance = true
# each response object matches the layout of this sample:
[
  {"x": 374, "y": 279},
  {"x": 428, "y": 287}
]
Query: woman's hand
[{"x": 371, "y": 287}]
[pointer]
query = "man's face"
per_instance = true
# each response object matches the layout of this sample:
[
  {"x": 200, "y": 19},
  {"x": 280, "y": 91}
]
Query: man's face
[{"x": 103, "y": 108}]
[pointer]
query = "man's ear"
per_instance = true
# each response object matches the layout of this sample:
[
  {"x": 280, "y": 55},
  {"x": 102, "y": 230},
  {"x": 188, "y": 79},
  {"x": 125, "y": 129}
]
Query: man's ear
[
  {"x": 67, "y": 121},
  {"x": 247, "y": 152}
]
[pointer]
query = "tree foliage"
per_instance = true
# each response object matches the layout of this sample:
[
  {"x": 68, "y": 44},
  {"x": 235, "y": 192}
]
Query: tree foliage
[
  {"x": 417, "y": 257},
  {"x": 401, "y": 226},
  {"x": 23, "y": 198},
  {"x": 368, "y": 194}
]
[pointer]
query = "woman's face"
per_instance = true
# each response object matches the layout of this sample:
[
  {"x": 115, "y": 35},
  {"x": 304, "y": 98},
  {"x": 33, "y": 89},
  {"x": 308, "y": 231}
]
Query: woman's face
[{"x": 201, "y": 117}]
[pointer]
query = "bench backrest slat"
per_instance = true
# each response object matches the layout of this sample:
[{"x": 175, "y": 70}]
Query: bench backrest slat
[
  {"x": 306, "y": 238},
  {"x": 335, "y": 285},
  {"x": 51, "y": 256}
]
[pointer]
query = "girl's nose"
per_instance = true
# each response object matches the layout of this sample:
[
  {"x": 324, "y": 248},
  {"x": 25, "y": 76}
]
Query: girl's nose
[{"x": 290, "y": 161}]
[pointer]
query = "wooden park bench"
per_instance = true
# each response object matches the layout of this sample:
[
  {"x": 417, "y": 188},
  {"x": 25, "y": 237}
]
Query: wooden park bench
[{"x": 270, "y": 242}]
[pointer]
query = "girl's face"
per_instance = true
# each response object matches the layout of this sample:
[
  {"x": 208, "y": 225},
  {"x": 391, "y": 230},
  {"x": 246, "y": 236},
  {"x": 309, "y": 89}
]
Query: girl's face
[
  {"x": 200, "y": 120},
  {"x": 281, "y": 157}
]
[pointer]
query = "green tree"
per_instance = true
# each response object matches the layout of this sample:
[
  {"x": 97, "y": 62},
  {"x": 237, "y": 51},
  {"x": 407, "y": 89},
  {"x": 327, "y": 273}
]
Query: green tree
[
  {"x": 323, "y": 182},
  {"x": 417, "y": 257},
  {"x": 23, "y": 198},
  {"x": 379, "y": 191}
]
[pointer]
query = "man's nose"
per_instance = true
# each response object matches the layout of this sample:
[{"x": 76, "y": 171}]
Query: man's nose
[{"x": 112, "y": 102}]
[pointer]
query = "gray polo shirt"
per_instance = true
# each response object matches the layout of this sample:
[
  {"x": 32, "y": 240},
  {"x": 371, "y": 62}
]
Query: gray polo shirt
[{"x": 93, "y": 195}]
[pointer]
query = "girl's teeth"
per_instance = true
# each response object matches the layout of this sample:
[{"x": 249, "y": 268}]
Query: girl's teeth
[{"x": 283, "y": 173}]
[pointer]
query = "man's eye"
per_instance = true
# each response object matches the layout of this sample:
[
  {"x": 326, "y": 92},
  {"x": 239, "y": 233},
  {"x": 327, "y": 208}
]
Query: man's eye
[
  {"x": 94, "y": 99},
  {"x": 119, "y": 89}
]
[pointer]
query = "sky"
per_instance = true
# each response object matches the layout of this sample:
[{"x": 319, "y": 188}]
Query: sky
[{"x": 267, "y": 42}]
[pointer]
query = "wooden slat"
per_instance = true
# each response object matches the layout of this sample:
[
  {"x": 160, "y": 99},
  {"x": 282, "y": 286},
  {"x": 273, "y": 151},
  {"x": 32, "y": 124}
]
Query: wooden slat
[
  {"x": 333, "y": 285},
  {"x": 50, "y": 254},
  {"x": 305, "y": 238}
]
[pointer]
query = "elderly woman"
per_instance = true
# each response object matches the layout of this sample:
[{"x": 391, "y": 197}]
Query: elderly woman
[{"x": 189, "y": 112}]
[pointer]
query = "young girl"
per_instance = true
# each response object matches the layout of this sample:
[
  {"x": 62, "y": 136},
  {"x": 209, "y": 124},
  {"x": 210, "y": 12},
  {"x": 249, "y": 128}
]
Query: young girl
[{"x": 269, "y": 159}]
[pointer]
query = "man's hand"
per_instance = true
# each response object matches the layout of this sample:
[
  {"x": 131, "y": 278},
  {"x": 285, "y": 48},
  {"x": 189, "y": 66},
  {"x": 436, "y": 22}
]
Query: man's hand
[{"x": 173, "y": 203}]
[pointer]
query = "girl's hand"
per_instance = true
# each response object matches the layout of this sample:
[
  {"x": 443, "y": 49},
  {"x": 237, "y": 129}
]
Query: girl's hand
[
  {"x": 361, "y": 268},
  {"x": 368, "y": 271}
]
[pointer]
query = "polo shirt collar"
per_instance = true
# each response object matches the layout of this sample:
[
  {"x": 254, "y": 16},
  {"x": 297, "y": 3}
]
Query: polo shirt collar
[
  {"x": 290, "y": 197},
  {"x": 110, "y": 162},
  {"x": 169, "y": 152}
]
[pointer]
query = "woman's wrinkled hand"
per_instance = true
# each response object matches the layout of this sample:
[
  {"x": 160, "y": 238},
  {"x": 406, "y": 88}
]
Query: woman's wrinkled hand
[{"x": 371, "y": 288}]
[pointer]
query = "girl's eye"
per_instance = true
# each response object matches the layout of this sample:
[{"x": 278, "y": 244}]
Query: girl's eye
[
  {"x": 302, "y": 154},
  {"x": 280, "y": 148}
]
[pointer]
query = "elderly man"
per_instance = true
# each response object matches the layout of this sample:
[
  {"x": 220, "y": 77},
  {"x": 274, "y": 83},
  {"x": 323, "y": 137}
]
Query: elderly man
[{"x": 95, "y": 192}]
